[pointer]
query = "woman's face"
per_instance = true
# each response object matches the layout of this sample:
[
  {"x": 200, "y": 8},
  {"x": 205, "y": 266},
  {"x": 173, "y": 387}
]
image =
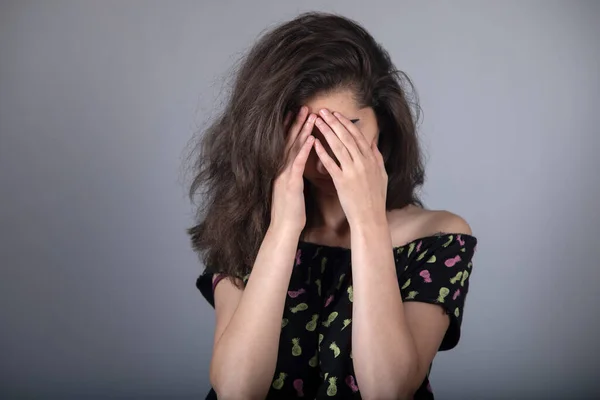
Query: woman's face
[{"x": 364, "y": 119}]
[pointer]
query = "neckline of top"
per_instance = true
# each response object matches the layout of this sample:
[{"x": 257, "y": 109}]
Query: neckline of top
[{"x": 436, "y": 236}]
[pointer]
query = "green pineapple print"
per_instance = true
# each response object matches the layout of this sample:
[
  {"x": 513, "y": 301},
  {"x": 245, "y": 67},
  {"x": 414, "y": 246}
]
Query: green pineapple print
[
  {"x": 336, "y": 350},
  {"x": 422, "y": 255},
  {"x": 318, "y": 283},
  {"x": 411, "y": 247},
  {"x": 320, "y": 338},
  {"x": 299, "y": 307},
  {"x": 350, "y": 293},
  {"x": 339, "y": 285},
  {"x": 432, "y": 259},
  {"x": 406, "y": 284},
  {"x": 456, "y": 278},
  {"x": 278, "y": 383},
  {"x": 346, "y": 323},
  {"x": 314, "y": 360},
  {"x": 450, "y": 238},
  {"x": 330, "y": 319},
  {"x": 443, "y": 293},
  {"x": 296, "y": 349},
  {"x": 284, "y": 322},
  {"x": 470, "y": 264},
  {"x": 456, "y": 312},
  {"x": 464, "y": 277},
  {"x": 332, "y": 389},
  {"x": 326, "y": 374},
  {"x": 411, "y": 295},
  {"x": 323, "y": 263},
  {"x": 312, "y": 324},
  {"x": 317, "y": 252}
]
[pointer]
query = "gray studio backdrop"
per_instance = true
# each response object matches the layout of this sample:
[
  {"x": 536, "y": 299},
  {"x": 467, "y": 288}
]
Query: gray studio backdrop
[{"x": 98, "y": 100}]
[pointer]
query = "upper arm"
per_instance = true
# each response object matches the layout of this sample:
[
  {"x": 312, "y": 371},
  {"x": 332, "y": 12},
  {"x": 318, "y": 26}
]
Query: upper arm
[
  {"x": 227, "y": 297},
  {"x": 428, "y": 324}
]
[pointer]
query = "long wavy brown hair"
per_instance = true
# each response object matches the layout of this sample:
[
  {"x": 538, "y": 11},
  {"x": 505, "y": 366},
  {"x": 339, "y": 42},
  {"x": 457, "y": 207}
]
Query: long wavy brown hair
[{"x": 238, "y": 156}]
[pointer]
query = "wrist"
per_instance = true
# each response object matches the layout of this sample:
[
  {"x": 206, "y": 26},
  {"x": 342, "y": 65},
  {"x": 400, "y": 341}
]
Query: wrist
[
  {"x": 370, "y": 222},
  {"x": 284, "y": 231},
  {"x": 372, "y": 228}
]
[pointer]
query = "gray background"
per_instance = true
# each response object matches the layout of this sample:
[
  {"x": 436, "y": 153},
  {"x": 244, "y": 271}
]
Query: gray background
[{"x": 98, "y": 100}]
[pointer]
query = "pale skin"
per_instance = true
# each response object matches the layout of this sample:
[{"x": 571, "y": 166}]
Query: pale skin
[{"x": 393, "y": 342}]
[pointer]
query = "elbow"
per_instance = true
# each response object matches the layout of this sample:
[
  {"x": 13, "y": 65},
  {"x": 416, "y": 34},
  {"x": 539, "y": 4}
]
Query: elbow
[
  {"x": 229, "y": 394},
  {"x": 232, "y": 390},
  {"x": 409, "y": 384},
  {"x": 403, "y": 386},
  {"x": 229, "y": 386},
  {"x": 406, "y": 393}
]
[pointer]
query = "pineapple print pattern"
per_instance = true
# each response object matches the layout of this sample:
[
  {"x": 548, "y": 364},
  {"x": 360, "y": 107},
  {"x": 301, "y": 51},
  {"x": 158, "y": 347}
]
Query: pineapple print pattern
[
  {"x": 296, "y": 349},
  {"x": 315, "y": 352},
  {"x": 278, "y": 383}
]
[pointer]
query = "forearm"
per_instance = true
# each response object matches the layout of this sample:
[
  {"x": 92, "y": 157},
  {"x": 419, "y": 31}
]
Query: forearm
[
  {"x": 383, "y": 349},
  {"x": 245, "y": 355}
]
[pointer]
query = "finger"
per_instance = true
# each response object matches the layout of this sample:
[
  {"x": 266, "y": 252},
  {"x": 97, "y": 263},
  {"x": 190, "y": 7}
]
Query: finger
[
  {"x": 300, "y": 160},
  {"x": 327, "y": 161},
  {"x": 338, "y": 148},
  {"x": 287, "y": 120},
  {"x": 358, "y": 136},
  {"x": 341, "y": 132},
  {"x": 307, "y": 128},
  {"x": 295, "y": 128},
  {"x": 376, "y": 152}
]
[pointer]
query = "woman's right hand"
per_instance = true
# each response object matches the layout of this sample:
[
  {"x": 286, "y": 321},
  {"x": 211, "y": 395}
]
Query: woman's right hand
[{"x": 287, "y": 206}]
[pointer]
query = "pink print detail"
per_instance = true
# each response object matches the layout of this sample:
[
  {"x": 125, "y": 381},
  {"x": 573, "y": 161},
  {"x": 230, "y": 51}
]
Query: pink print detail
[
  {"x": 298, "y": 386},
  {"x": 350, "y": 382},
  {"x": 451, "y": 262},
  {"x": 329, "y": 300},
  {"x": 461, "y": 241},
  {"x": 419, "y": 246},
  {"x": 293, "y": 294},
  {"x": 429, "y": 388},
  {"x": 456, "y": 294},
  {"x": 298, "y": 253},
  {"x": 425, "y": 275}
]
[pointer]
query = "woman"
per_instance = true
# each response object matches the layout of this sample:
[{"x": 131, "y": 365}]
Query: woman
[{"x": 328, "y": 277}]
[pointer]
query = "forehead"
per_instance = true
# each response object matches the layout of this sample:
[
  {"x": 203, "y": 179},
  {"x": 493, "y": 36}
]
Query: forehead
[{"x": 340, "y": 101}]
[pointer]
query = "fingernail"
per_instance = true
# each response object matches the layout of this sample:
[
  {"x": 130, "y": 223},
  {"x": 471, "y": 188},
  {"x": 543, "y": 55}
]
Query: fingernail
[{"x": 324, "y": 112}]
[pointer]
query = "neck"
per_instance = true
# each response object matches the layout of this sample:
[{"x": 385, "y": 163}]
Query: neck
[{"x": 326, "y": 214}]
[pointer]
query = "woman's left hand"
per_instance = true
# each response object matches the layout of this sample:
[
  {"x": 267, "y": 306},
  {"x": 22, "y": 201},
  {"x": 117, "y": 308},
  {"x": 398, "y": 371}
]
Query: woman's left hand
[{"x": 361, "y": 179}]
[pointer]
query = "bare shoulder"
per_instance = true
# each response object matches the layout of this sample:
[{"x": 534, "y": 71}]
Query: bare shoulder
[
  {"x": 412, "y": 222},
  {"x": 446, "y": 222}
]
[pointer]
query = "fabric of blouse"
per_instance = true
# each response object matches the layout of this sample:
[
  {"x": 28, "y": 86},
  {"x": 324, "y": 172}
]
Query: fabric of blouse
[{"x": 315, "y": 346}]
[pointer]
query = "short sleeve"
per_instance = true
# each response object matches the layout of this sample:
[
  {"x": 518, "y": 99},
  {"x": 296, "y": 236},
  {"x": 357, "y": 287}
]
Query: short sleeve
[
  {"x": 438, "y": 272},
  {"x": 205, "y": 284}
]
